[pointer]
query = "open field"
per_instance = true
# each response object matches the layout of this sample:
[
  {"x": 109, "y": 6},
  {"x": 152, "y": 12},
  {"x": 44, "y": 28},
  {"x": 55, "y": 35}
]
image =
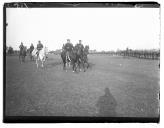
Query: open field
[{"x": 50, "y": 91}]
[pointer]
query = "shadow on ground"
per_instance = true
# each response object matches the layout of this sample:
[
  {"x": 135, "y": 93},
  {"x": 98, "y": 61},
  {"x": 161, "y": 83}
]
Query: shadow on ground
[{"x": 106, "y": 105}]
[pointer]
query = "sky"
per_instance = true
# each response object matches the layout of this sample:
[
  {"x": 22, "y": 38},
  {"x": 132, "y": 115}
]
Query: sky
[{"x": 100, "y": 28}]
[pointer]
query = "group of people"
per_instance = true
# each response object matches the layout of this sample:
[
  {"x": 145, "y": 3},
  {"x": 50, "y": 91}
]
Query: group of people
[
  {"x": 39, "y": 47},
  {"x": 75, "y": 55},
  {"x": 68, "y": 47}
]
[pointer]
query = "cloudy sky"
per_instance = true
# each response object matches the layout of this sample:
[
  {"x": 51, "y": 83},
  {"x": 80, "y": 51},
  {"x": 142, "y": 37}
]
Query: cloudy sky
[{"x": 100, "y": 28}]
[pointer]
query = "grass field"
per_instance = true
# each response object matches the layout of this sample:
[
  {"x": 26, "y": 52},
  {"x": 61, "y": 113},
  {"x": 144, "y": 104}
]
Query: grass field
[{"x": 50, "y": 91}]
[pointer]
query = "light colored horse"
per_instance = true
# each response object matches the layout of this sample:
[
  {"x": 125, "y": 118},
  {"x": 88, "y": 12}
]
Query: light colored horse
[{"x": 41, "y": 57}]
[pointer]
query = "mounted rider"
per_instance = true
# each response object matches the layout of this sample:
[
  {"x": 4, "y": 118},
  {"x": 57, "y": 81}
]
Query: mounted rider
[
  {"x": 21, "y": 46},
  {"x": 80, "y": 48},
  {"x": 86, "y": 50},
  {"x": 39, "y": 47},
  {"x": 63, "y": 47},
  {"x": 68, "y": 47},
  {"x": 80, "y": 45},
  {"x": 31, "y": 48}
]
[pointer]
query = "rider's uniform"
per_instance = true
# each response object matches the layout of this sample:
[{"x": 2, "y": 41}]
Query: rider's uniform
[
  {"x": 81, "y": 47},
  {"x": 21, "y": 47},
  {"x": 39, "y": 47},
  {"x": 31, "y": 48},
  {"x": 68, "y": 47}
]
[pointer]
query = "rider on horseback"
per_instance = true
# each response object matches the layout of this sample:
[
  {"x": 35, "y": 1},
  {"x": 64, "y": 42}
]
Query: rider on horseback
[
  {"x": 80, "y": 45},
  {"x": 31, "y": 48},
  {"x": 39, "y": 47},
  {"x": 21, "y": 46},
  {"x": 68, "y": 47}
]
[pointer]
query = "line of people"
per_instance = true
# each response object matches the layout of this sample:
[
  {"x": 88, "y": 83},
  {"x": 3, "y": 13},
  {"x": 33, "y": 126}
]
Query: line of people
[
  {"x": 68, "y": 47},
  {"x": 39, "y": 47},
  {"x": 75, "y": 55}
]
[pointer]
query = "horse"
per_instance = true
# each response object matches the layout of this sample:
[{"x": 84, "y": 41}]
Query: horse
[
  {"x": 22, "y": 54},
  {"x": 79, "y": 57},
  {"x": 72, "y": 59},
  {"x": 85, "y": 57},
  {"x": 41, "y": 56}
]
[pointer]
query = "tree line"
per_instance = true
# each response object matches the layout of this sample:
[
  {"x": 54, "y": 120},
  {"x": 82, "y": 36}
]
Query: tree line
[{"x": 141, "y": 54}]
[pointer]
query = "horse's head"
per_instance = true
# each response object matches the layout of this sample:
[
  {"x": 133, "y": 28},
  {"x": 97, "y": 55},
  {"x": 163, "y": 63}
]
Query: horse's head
[{"x": 34, "y": 52}]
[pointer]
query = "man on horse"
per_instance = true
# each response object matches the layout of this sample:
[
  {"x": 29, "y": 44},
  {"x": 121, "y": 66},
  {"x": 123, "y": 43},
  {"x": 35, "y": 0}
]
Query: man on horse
[
  {"x": 85, "y": 53},
  {"x": 22, "y": 53},
  {"x": 80, "y": 45},
  {"x": 39, "y": 47},
  {"x": 68, "y": 47},
  {"x": 21, "y": 47},
  {"x": 31, "y": 48},
  {"x": 80, "y": 49},
  {"x": 63, "y": 47}
]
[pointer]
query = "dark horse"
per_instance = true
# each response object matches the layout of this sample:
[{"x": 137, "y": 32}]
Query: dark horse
[
  {"x": 22, "y": 54},
  {"x": 30, "y": 54},
  {"x": 85, "y": 58},
  {"x": 73, "y": 59}
]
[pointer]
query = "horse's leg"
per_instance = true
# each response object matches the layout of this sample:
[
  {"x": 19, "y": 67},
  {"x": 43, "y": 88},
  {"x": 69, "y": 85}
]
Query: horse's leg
[
  {"x": 87, "y": 65},
  {"x": 30, "y": 57},
  {"x": 42, "y": 64},
  {"x": 63, "y": 66},
  {"x": 43, "y": 61},
  {"x": 37, "y": 62},
  {"x": 79, "y": 63},
  {"x": 66, "y": 60},
  {"x": 83, "y": 64},
  {"x": 19, "y": 59},
  {"x": 24, "y": 58},
  {"x": 73, "y": 67},
  {"x": 76, "y": 66},
  {"x": 70, "y": 64}
]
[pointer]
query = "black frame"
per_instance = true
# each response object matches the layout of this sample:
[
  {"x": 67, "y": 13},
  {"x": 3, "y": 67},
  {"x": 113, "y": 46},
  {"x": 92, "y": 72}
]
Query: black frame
[{"x": 62, "y": 119}]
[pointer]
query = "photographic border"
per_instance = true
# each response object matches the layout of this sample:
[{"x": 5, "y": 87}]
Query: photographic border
[{"x": 64, "y": 119}]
